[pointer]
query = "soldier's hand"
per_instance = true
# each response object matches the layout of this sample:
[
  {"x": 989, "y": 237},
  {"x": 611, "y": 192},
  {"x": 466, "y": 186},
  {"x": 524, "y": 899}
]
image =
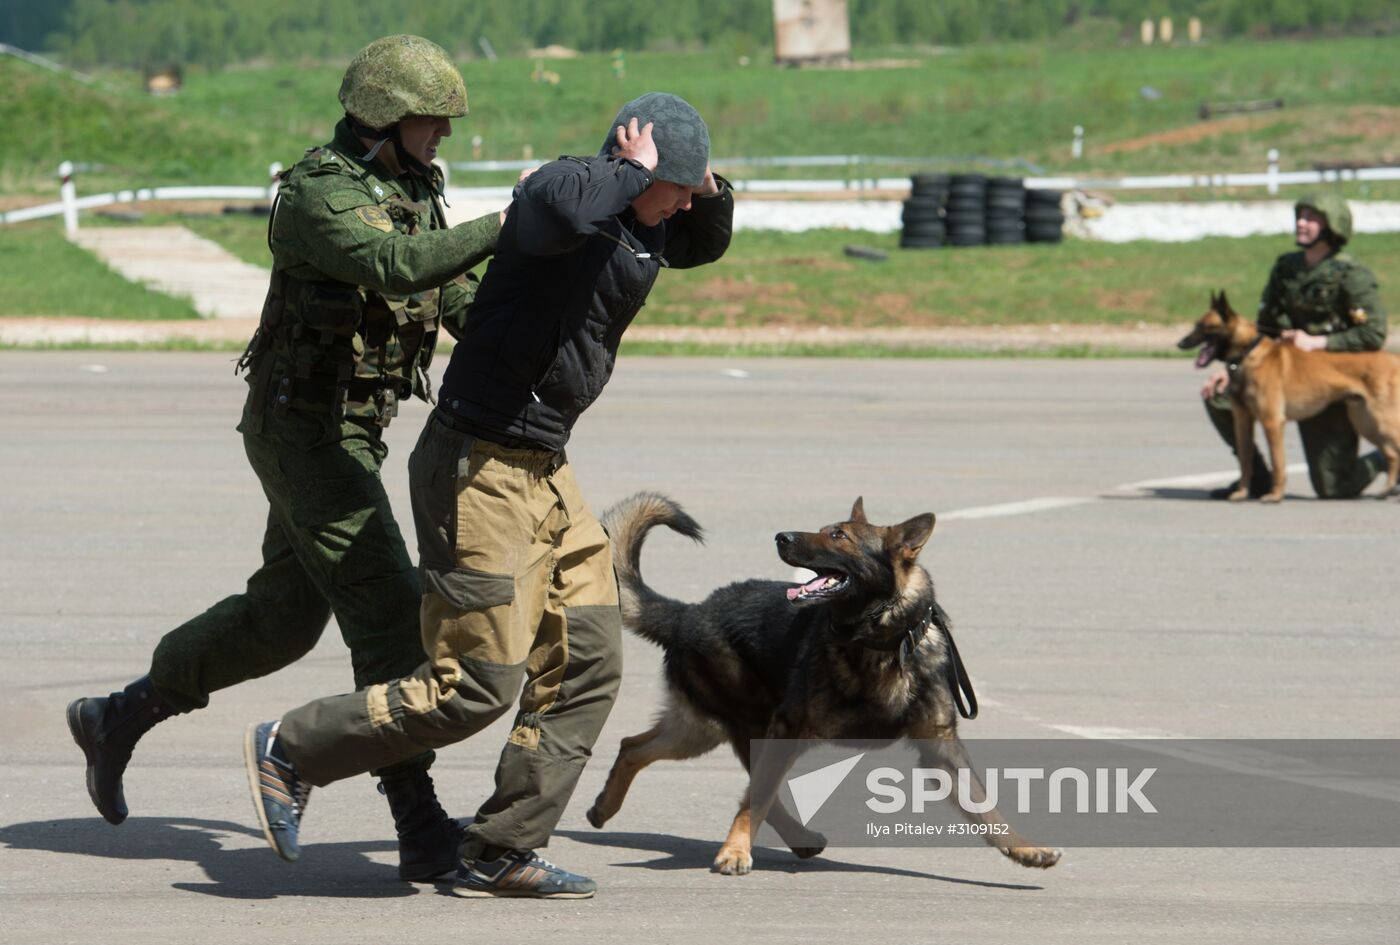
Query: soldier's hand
[
  {"x": 1303, "y": 341},
  {"x": 1214, "y": 384},
  {"x": 635, "y": 144},
  {"x": 518, "y": 181}
]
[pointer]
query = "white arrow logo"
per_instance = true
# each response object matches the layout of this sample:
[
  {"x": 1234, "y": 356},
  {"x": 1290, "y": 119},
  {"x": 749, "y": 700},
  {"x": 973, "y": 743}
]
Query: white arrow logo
[{"x": 811, "y": 790}]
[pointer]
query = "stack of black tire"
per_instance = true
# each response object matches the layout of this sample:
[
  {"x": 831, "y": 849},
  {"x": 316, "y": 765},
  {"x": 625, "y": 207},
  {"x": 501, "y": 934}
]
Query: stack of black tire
[
  {"x": 1006, "y": 204},
  {"x": 1044, "y": 221},
  {"x": 974, "y": 210},
  {"x": 923, "y": 212},
  {"x": 966, "y": 218}
]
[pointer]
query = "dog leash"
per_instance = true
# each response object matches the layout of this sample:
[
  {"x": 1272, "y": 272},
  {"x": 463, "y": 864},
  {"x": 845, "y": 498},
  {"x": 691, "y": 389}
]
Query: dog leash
[
  {"x": 958, "y": 680},
  {"x": 956, "y": 673}
]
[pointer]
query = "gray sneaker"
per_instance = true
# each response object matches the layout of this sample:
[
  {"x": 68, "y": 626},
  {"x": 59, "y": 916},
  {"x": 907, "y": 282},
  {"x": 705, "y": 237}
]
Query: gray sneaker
[
  {"x": 520, "y": 874},
  {"x": 279, "y": 795}
]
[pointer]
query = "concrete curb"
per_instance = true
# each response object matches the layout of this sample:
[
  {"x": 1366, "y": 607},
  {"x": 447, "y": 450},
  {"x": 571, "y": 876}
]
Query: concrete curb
[{"x": 41, "y": 331}]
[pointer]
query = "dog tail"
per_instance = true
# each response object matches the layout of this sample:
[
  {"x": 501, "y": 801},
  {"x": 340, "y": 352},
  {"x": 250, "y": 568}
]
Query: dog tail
[{"x": 627, "y": 524}]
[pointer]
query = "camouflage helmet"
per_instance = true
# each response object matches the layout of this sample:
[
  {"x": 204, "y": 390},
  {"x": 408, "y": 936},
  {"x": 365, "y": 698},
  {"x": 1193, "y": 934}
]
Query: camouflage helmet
[
  {"x": 398, "y": 77},
  {"x": 1335, "y": 213}
]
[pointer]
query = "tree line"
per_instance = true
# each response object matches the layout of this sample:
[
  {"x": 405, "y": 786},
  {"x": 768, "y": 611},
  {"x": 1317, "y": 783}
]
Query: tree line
[{"x": 144, "y": 32}]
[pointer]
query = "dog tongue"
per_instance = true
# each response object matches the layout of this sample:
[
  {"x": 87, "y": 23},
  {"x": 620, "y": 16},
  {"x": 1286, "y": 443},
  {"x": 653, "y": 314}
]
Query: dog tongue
[
  {"x": 1205, "y": 356},
  {"x": 811, "y": 586}
]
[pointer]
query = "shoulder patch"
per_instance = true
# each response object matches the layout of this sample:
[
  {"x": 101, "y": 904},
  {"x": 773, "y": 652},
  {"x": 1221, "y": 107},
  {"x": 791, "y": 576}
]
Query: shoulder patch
[
  {"x": 1358, "y": 315},
  {"x": 375, "y": 216}
]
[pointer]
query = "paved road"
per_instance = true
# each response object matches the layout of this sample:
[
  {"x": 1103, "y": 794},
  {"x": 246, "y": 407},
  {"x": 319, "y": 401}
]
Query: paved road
[{"x": 128, "y": 507}]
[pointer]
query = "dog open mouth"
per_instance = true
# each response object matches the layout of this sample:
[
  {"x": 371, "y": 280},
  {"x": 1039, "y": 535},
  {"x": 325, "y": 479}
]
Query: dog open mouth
[
  {"x": 1208, "y": 353},
  {"x": 823, "y": 585}
]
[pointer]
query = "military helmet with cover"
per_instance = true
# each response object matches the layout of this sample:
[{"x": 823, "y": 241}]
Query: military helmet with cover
[
  {"x": 1335, "y": 213},
  {"x": 398, "y": 77}
]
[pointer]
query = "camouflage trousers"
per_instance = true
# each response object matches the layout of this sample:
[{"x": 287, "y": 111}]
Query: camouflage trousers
[
  {"x": 518, "y": 588},
  {"x": 331, "y": 547},
  {"x": 1329, "y": 444}
]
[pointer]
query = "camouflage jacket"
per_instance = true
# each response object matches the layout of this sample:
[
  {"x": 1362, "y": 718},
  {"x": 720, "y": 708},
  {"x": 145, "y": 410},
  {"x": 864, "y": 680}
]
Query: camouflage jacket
[
  {"x": 1337, "y": 298},
  {"x": 364, "y": 272}
]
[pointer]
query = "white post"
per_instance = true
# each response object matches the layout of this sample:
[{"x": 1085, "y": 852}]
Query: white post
[
  {"x": 273, "y": 170},
  {"x": 1076, "y": 150},
  {"x": 1273, "y": 170},
  {"x": 68, "y": 192}
]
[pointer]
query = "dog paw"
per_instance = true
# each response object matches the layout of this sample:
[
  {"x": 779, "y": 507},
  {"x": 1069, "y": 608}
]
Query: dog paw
[
  {"x": 732, "y": 862},
  {"x": 1272, "y": 498},
  {"x": 595, "y": 817},
  {"x": 1035, "y": 857},
  {"x": 808, "y": 846},
  {"x": 1239, "y": 495}
]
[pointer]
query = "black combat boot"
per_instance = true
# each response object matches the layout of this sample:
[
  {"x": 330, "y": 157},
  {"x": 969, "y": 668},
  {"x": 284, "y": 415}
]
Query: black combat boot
[
  {"x": 428, "y": 838},
  {"x": 107, "y": 730}
]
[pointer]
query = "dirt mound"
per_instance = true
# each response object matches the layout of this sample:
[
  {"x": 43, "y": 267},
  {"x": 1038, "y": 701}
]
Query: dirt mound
[{"x": 1371, "y": 124}]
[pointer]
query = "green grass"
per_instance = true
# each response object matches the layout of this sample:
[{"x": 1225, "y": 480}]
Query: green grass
[
  {"x": 43, "y": 274},
  {"x": 1004, "y": 102},
  {"x": 795, "y": 280},
  {"x": 803, "y": 280},
  {"x": 167, "y": 344}
]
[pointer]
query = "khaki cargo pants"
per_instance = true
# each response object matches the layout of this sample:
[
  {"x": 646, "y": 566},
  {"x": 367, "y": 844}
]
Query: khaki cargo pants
[{"x": 518, "y": 586}]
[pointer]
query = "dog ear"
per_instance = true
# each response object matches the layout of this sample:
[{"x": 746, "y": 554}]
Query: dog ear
[
  {"x": 1224, "y": 305},
  {"x": 858, "y": 511},
  {"x": 909, "y": 537},
  {"x": 1214, "y": 299}
]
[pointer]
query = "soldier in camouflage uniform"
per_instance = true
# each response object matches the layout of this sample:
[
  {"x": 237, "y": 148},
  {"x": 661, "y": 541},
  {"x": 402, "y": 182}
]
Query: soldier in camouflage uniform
[
  {"x": 365, "y": 272},
  {"x": 1317, "y": 298}
]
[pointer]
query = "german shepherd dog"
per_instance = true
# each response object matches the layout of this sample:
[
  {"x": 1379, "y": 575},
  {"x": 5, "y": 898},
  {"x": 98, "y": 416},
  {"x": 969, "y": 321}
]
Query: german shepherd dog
[
  {"x": 862, "y": 651},
  {"x": 1273, "y": 383}
]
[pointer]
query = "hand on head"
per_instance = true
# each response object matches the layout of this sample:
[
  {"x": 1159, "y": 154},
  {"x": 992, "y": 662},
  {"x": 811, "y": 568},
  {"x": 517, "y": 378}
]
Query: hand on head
[{"x": 636, "y": 144}]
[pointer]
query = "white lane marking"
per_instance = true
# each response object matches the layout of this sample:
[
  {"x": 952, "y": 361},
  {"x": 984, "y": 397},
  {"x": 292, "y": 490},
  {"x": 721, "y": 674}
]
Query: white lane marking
[
  {"x": 1199, "y": 479},
  {"x": 734, "y": 372},
  {"x": 1016, "y": 508},
  {"x": 93, "y": 368},
  {"x": 1108, "y": 732}
]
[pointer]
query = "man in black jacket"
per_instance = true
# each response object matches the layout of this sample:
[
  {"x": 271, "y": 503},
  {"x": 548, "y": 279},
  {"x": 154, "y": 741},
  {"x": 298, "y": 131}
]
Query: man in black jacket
[{"x": 517, "y": 572}]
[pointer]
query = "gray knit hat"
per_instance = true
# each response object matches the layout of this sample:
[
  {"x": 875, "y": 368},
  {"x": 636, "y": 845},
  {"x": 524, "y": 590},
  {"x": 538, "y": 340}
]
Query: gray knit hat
[{"x": 682, "y": 140}]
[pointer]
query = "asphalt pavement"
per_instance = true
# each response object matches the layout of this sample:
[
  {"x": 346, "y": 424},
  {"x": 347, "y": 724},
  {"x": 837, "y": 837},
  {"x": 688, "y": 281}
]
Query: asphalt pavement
[{"x": 1096, "y": 592}]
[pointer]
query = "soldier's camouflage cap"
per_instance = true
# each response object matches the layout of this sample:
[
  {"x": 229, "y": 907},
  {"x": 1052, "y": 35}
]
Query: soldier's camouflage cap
[
  {"x": 398, "y": 77},
  {"x": 682, "y": 140},
  {"x": 1333, "y": 209}
]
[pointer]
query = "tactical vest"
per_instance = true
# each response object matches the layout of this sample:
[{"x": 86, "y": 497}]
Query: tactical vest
[{"x": 329, "y": 346}]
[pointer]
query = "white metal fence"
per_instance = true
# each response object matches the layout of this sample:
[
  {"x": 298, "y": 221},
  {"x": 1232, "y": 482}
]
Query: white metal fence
[{"x": 1271, "y": 179}]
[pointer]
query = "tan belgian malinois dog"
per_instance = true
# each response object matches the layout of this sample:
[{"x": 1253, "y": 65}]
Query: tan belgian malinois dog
[{"x": 1273, "y": 383}]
